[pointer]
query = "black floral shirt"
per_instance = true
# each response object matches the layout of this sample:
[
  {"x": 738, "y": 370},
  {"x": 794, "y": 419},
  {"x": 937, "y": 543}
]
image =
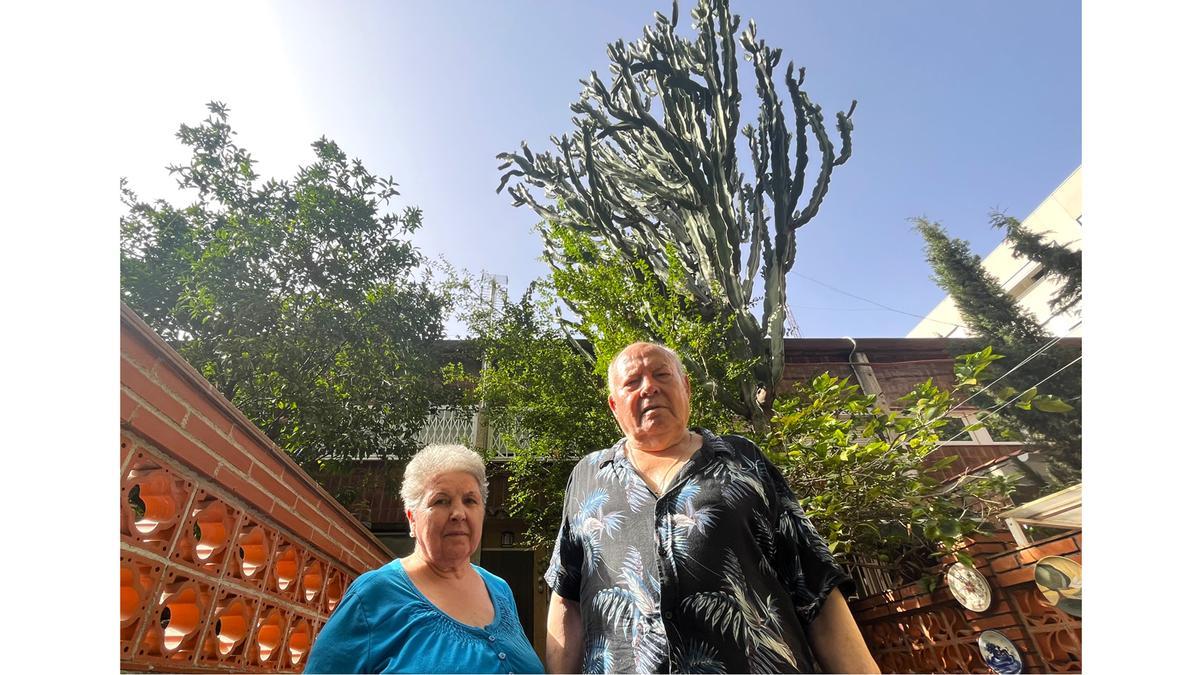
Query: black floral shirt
[{"x": 720, "y": 574}]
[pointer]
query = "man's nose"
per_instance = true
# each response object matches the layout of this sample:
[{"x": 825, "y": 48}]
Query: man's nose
[{"x": 649, "y": 387}]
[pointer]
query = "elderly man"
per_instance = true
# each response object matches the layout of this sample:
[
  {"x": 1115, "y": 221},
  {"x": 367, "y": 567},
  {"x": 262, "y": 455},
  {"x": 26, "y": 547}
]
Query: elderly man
[{"x": 684, "y": 551}]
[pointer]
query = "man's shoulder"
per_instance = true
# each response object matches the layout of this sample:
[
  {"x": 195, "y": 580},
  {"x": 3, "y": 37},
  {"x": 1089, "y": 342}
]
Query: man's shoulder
[
  {"x": 593, "y": 461},
  {"x": 733, "y": 444}
]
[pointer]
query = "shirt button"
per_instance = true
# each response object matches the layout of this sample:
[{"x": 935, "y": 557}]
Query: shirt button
[
  {"x": 501, "y": 656},
  {"x": 667, "y": 614},
  {"x": 491, "y": 638}
]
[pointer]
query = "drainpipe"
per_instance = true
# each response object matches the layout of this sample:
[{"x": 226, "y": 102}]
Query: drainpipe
[{"x": 861, "y": 365}]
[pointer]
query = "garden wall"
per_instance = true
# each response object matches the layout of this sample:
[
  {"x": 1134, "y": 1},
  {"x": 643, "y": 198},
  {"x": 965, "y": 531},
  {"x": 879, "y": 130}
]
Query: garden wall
[
  {"x": 232, "y": 558},
  {"x": 910, "y": 630}
]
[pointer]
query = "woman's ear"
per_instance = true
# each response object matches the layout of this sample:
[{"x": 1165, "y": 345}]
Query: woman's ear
[{"x": 409, "y": 514}]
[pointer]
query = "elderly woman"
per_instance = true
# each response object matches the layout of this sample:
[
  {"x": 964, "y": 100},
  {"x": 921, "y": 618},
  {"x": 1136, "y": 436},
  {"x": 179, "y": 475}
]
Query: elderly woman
[{"x": 433, "y": 611}]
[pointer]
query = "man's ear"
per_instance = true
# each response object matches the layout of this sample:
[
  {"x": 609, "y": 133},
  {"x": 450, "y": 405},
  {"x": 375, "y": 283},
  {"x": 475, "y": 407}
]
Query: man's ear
[{"x": 612, "y": 405}]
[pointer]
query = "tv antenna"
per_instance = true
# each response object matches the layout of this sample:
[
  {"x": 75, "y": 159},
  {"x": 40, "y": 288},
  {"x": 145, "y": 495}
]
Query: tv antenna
[{"x": 793, "y": 327}]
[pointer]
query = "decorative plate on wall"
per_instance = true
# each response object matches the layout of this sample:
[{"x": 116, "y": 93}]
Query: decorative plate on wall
[
  {"x": 999, "y": 653},
  {"x": 969, "y": 587},
  {"x": 1061, "y": 581}
]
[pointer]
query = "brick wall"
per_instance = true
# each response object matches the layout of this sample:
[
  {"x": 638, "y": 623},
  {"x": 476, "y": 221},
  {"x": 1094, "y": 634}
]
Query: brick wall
[
  {"x": 232, "y": 558},
  {"x": 912, "y": 631}
]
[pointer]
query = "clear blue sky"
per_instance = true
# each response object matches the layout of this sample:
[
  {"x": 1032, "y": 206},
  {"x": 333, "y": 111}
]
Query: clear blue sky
[{"x": 962, "y": 107}]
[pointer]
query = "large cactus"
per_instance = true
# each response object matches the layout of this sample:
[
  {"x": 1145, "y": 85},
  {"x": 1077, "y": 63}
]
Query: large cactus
[{"x": 652, "y": 167}]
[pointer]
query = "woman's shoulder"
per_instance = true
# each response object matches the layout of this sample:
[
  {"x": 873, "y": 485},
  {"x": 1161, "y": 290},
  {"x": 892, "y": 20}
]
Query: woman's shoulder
[{"x": 385, "y": 576}]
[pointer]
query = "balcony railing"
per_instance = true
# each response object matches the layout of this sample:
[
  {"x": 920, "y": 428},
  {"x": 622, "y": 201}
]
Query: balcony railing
[{"x": 455, "y": 425}]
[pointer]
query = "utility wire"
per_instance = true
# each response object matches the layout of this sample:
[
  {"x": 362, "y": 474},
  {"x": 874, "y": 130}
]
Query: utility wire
[
  {"x": 1005, "y": 374},
  {"x": 877, "y": 304},
  {"x": 993, "y": 411}
]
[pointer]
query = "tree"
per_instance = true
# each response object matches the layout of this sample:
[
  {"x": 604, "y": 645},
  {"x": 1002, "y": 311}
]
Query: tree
[
  {"x": 540, "y": 391},
  {"x": 294, "y": 298},
  {"x": 652, "y": 171},
  {"x": 1058, "y": 261},
  {"x": 996, "y": 320}
]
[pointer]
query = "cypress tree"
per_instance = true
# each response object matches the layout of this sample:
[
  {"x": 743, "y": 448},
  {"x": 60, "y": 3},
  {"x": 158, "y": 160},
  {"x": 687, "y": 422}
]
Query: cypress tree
[
  {"x": 994, "y": 318},
  {"x": 1059, "y": 262}
]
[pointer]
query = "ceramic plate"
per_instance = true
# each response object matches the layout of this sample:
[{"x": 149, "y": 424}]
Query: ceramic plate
[
  {"x": 969, "y": 587},
  {"x": 1061, "y": 581},
  {"x": 999, "y": 653}
]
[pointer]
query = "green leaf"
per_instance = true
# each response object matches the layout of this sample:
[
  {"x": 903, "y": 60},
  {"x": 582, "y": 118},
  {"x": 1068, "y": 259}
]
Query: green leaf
[{"x": 1052, "y": 404}]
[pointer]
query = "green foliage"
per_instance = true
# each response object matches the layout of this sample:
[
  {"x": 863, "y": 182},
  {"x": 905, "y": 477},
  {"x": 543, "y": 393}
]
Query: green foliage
[
  {"x": 652, "y": 171},
  {"x": 294, "y": 298},
  {"x": 1059, "y": 262},
  {"x": 541, "y": 391},
  {"x": 860, "y": 472},
  {"x": 998, "y": 322},
  {"x": 863, "y": 474},
  {"x": 617, "y": 302}
]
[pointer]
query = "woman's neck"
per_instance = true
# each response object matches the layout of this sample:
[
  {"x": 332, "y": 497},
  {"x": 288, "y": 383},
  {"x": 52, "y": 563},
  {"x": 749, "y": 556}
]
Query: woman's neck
[{"x": 419, "y": 563}]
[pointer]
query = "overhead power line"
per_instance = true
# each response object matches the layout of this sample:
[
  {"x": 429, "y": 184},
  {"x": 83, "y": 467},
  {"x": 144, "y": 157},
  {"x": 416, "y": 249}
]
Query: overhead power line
[{"x": 877, "y": 304}]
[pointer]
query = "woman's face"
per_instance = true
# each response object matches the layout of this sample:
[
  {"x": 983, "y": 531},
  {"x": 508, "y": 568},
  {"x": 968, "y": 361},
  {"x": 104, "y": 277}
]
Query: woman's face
[{"x": 448, "y": 522}]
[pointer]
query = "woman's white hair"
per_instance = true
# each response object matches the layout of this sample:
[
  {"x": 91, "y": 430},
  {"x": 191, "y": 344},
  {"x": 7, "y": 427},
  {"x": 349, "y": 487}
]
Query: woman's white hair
[{"x": 435, "y": 460}]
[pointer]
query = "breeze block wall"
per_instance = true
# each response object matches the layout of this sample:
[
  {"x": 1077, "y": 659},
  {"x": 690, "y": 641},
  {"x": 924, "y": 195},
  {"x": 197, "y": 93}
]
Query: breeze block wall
[
  {"x": 910, "y": 630},
  {"x": 232, "y": 557}
]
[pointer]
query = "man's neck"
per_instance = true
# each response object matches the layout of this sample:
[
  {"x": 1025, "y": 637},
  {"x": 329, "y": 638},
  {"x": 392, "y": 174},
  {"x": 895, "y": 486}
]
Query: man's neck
[{"x": 683, "y": 446}]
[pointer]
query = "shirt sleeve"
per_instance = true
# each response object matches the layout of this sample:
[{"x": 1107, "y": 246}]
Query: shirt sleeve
[
  {"x": 802, "y": 558},
  {"x": 344, "y": 644},
  {"x": 565, "y": 572}
]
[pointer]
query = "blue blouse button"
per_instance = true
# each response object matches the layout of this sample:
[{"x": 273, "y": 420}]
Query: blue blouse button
[
  {"x": 491, "y": 638},
  {"x": 501, "y": 656}
]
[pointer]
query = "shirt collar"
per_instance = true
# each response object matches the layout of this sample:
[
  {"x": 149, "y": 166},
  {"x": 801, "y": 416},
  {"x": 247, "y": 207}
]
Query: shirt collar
[{"x": 713, "y": 445}]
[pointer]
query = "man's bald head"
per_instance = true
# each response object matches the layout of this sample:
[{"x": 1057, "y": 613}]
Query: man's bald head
[{"x": 616, "y": 360}]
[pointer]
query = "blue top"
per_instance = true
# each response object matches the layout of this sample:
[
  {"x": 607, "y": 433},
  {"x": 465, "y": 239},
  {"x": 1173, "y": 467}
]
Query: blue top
[{"x": 385, "y": 625}]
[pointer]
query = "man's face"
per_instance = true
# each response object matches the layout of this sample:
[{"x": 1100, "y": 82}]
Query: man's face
[{"x": 650, "y": 397}]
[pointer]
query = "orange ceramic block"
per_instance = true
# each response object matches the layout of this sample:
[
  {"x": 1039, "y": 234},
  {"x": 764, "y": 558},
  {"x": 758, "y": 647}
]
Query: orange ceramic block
[
  {"x": 268, "y": 637},
  {"x": 312, "y": 581},
  {"x": 208, "y": 535},
  {"x": 181, "y": 610},
  {"x": 253, "y": 552},
  {"x": 299, "y": 640},
  {"x": 230, "y": 627},
  {"x": 133, "y": 595},
  {"x": 335, "y": 586},
  {"x": 153, "y": 501},
  {"x": 286, "y": 569}
]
